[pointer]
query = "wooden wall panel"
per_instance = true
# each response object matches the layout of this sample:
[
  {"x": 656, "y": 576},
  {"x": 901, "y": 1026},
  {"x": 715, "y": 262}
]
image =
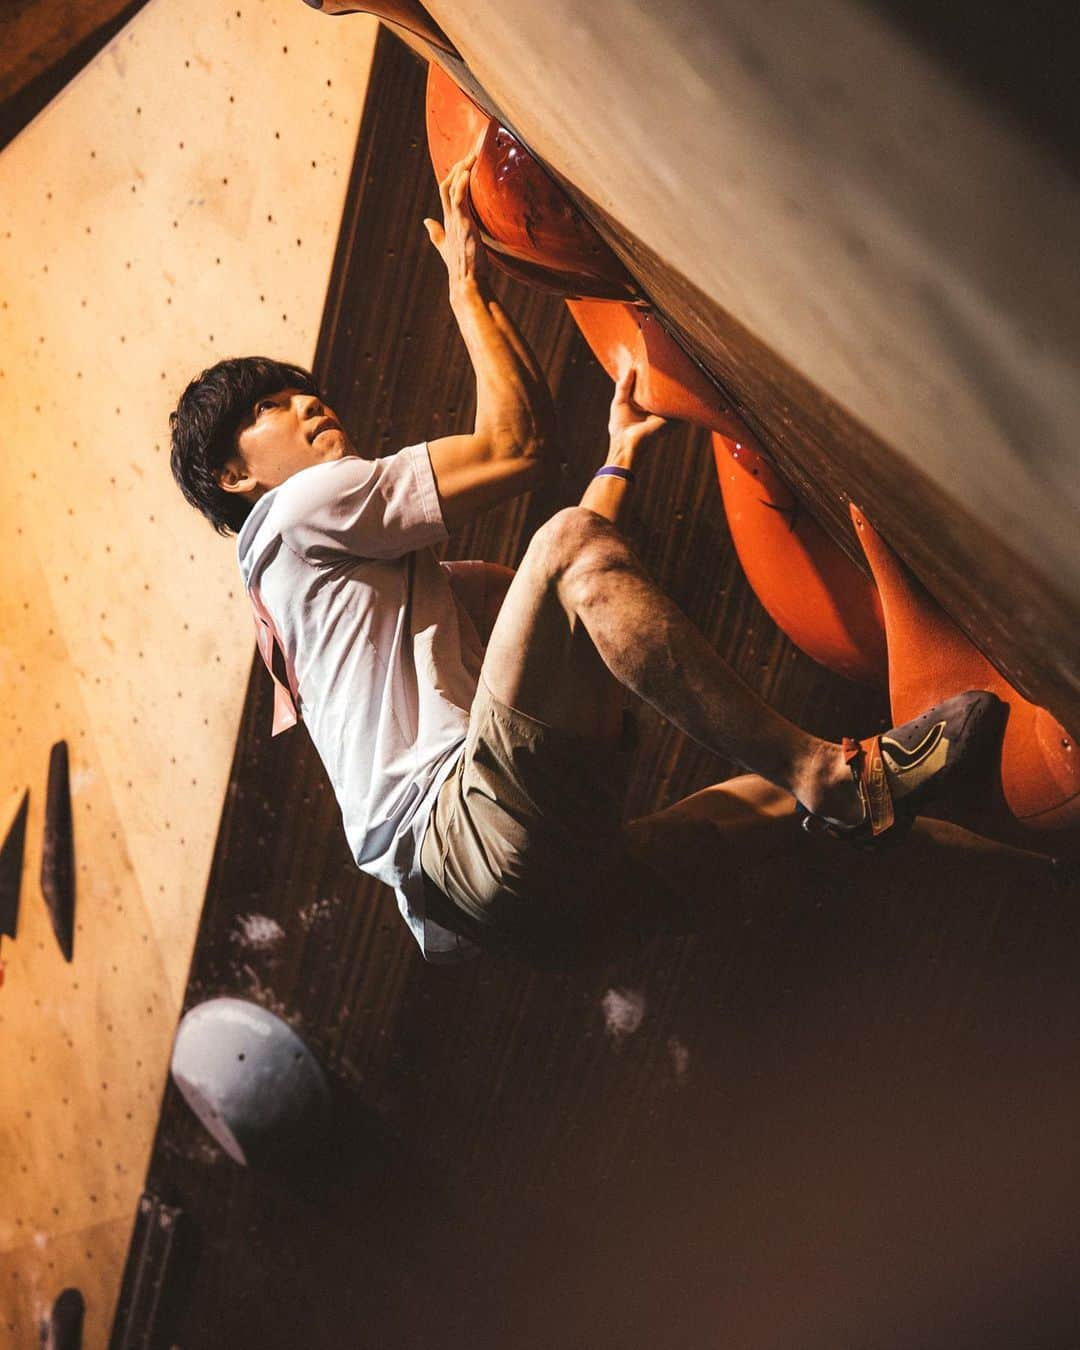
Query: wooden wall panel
[
  {"x": 836, "y": 1114},
  {"x": 149, "y": 223}
]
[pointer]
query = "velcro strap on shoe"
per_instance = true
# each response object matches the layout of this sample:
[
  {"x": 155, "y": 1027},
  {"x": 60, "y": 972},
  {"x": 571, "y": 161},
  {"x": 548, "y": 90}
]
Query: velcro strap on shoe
[{"x": 874, "y": 786}]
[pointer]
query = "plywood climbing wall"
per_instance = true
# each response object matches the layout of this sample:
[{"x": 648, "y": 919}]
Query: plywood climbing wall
[{"x": 178, "y": 202}]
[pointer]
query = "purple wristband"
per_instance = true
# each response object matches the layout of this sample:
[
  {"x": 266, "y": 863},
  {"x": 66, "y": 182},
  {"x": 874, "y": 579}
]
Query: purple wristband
[{"x": 613, "y": 471}]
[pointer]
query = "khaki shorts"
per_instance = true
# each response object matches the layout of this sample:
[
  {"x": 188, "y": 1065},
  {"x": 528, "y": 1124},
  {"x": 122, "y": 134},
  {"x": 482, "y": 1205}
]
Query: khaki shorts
[{"x": 523, "y": 829}]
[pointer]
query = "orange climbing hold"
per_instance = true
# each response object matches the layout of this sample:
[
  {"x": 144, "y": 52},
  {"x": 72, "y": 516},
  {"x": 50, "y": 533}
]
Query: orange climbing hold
[
  {"x": 536, "y": 231},
  {"x": 810, "y": 587},
  {"x": 667, "y": 381},
  {"x": 531, "y": 227},
  {"x": 1035, "y": 799},
  {"x": 455, "y": 124}
]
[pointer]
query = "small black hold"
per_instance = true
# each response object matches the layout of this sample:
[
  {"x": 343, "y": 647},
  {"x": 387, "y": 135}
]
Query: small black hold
[
  {"x": 65, "y": 1326},
  {"x": 58, "y": 852},
  {"x": 11, "y": 866}
]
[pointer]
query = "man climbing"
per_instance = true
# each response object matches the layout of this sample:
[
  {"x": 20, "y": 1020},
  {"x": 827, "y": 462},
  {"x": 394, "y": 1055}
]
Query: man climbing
[{"x": 470, "y": 724}]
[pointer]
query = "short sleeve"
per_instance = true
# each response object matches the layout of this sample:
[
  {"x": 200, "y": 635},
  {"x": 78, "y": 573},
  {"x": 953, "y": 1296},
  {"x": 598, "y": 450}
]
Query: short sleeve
[{"x": 362, "y": 508}]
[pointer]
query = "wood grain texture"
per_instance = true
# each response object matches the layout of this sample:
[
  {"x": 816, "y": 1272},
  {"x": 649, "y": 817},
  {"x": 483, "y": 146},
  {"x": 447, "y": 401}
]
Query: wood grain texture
[{"x": 841, "y": 1117}]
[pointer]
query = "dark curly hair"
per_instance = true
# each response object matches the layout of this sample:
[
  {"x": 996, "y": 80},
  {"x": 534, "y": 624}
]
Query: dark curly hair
[{"x": 204, "y": 427}]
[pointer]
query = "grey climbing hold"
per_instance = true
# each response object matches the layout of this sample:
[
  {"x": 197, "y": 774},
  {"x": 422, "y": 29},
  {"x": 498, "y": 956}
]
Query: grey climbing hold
[{"x": 250, "y": 1079}]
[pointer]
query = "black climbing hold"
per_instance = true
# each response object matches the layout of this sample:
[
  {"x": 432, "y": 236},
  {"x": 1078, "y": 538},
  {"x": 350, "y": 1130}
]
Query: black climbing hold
[
  {"x": 65, "y": 1326},
  {"x": 58, "y": 852},
  {"x": 11, "y": 866}
]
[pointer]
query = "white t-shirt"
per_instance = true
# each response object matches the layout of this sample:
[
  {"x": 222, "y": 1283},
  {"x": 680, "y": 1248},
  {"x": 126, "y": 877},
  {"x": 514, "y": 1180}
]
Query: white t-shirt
[{"x": 384, "y": 662}]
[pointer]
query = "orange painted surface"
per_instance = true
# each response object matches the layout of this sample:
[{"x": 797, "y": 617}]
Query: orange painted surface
[
  {"x": 1035, "y": 802},
  {"x": 530, "y": 226}
]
